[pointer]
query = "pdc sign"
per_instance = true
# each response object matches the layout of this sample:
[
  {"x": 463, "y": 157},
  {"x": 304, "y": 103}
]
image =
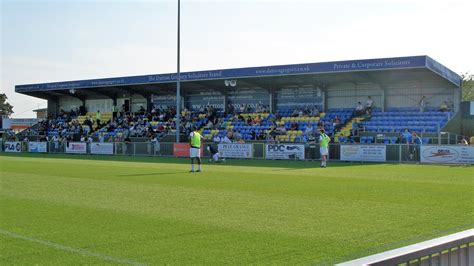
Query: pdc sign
[
  {"x": 12, "y": 146},
  {"x": 284, "y": 151}
]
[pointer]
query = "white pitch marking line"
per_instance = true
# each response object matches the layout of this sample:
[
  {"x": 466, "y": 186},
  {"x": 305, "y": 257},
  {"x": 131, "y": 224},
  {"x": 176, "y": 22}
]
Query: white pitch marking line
[{"x": 70, "y": 249}]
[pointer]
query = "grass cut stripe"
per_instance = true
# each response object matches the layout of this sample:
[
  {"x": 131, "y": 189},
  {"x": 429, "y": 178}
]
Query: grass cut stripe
[{"x": 80, "y": 251}]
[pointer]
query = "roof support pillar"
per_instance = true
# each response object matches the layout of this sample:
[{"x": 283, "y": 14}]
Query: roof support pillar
[
  {"x": 272, "y": 98},
  {"x": 226, "y": 101},
  {"x": 53, "y": 107}
]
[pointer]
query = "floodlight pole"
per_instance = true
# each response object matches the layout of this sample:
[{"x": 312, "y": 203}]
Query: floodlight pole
[{"x": 178, "y": 83}]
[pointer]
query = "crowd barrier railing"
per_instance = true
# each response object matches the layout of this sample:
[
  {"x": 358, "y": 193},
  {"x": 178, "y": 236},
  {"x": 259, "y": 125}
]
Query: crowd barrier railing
[{"x": 398, "y": 153}]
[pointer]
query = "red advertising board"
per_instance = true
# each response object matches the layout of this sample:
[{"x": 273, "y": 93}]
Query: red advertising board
[{"x": 182, "y": 150}]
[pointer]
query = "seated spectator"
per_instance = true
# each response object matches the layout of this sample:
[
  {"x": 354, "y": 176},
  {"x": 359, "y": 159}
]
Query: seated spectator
[
  {"x": 294, "y": 126},
  {"x": 464, "y": 142},
  {"x": 270, "y": 138},
  {"x": 280, "y": 130},
  {"x": 309, "y": 131},
  {"x": 314, "y": 111},
  {"x": 359, "y": 110},
  {"x": 257, "y": 120},
  {"x": 249, "y": 121},
  {"x": 237, "y": 136},
  {"x": 226, "y": 139},
  {"x": 444, "y": 107},
  {"x": 295, "y": 113}
]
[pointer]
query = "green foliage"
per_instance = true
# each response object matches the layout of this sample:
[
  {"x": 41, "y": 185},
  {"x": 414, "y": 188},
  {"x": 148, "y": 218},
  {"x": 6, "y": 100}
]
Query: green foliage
[
  {"x": 467, "y": 87},
  {"x": 152, "y": 211},
  {"x": 5, "y": 107}
]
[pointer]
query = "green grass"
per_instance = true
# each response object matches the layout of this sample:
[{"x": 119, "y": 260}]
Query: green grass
[{"x": 152, "y": 211}]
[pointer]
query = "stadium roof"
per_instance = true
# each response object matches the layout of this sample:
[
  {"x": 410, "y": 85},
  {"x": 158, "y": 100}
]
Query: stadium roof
[{"x": 353, "y": 71}]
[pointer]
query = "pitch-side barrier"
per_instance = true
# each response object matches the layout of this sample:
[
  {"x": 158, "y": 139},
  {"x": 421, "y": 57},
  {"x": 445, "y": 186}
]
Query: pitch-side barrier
[{"x": 435, "y": 154}]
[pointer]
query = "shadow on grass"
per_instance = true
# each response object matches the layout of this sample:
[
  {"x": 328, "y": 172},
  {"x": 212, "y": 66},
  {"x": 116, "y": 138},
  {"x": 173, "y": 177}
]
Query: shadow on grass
[{"x": 289, "y": 164}]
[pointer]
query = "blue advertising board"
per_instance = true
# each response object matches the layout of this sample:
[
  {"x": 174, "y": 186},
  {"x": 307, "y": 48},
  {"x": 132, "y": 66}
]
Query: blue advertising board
[
  {"x": 298, "y": 98},
  {"x": 253, "y": 97},
  {"x": 163, "y": 100},
  {"x": 199, "y": 99}
]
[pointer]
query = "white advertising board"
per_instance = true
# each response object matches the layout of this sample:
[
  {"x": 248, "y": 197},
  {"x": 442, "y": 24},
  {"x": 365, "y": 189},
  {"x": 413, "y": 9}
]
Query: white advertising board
[
  {"x": 364, "y": 153},
  {"x": 447, "y": 154},
  {"x": 76, "y": 147},
  {"x": 235, "y": 150},
  {"x": 102, "y": 148},
  {"x": 35, "y": 146},
  {"x": 12, "y": 146},
  {"x": 284, "y": 151}
]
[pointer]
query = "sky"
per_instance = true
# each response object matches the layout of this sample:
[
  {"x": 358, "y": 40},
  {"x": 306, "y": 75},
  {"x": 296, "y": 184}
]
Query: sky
[{"x": 60, "y": 40}]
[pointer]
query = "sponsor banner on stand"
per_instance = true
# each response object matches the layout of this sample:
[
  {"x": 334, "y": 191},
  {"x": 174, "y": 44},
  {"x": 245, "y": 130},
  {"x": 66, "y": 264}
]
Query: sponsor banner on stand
[
  {"x": 12, "y": 146},
  {"x": 235, "y": 150},
  {"x": 102, "y": 148},
  {"x": 76, "y": 147},
  {"x": 36, "y": 146},
  {"x": 447, "y": 154},
  {"x": 284, "y": 151},
  {"x": 364, "y": 153}
]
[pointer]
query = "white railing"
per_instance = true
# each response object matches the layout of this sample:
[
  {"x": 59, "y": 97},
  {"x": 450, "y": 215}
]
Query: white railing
[{"x": 456, "y": 250}]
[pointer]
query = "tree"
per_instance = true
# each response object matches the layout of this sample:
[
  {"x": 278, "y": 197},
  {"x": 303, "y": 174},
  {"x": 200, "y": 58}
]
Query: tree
[
  {"x": 6, "y": 109},
  {"x": 467, "y": 87}
]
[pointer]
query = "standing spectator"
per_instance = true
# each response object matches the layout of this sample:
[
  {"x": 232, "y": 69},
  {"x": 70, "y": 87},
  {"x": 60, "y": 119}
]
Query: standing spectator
[
  {"x": 56, "y": 143},
  {"x": 416, "y": 147},
  {"x": 406, "y": 137},
  {"x": 97, "y": 118},
  {"x": 422, "y": 103},
  {"x": 154, "y": 145},
  {"x": 114, "y": 111},
  {"x": 369, "y": 105}
]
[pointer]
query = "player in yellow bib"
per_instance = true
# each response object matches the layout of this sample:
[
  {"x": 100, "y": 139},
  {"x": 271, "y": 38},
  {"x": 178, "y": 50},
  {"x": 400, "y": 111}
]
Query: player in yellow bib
[
  {"x": 195, "y": 149},
  {"x": 323, "y": 147}
]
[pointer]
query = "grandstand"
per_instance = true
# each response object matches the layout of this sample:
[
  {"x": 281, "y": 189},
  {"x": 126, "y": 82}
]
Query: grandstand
[{"x": 287, "y": 103}]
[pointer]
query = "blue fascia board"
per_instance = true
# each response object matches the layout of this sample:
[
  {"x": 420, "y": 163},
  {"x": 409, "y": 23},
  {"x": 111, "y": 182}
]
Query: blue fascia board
[{"x": 265, "y": 71}]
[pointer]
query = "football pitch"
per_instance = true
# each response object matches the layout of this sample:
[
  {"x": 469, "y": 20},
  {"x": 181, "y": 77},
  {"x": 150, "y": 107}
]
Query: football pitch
[{"x": 64, "y": 209}]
